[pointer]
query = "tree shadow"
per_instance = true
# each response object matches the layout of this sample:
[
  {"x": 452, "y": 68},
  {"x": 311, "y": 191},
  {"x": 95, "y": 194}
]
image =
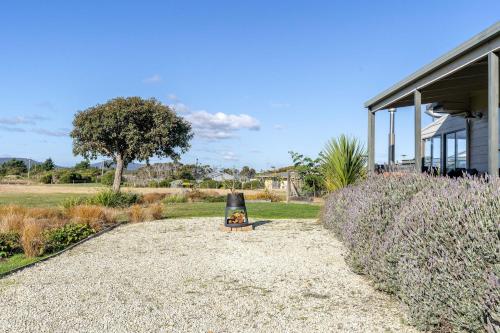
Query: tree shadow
[{"x": 257, "y": 224}]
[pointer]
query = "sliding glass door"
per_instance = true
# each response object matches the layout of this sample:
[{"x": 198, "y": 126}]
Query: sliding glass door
[{"x": 456, "y": 150}]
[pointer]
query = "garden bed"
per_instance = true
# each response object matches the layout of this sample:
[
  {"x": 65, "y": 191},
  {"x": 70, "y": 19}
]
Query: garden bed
[{"x": 432, "y": 242}]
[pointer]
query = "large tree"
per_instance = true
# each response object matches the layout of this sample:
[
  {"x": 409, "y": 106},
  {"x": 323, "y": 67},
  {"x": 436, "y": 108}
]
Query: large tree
[{"x": 128, "y": 129}]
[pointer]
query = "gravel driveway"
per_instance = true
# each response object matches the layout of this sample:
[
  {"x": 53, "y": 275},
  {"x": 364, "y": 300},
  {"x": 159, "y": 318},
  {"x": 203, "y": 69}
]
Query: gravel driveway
[{"x": 187, "y": 276}]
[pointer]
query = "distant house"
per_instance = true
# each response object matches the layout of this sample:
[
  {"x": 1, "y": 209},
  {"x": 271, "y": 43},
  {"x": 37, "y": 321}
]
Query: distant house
[
  {"x": 278, "y": 181},
  {"x": 461, "y": 90}
]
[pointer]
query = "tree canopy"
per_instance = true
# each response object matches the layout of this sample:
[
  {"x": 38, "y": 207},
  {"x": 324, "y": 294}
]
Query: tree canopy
[{"x": 128, "y": 129}]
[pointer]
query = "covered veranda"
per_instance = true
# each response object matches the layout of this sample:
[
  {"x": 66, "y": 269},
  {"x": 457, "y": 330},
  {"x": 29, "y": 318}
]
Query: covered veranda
[{"x": 462, "y": 83}]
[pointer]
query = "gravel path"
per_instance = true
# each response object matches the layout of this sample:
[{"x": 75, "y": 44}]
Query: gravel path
[{"x": 187, "y": 276}]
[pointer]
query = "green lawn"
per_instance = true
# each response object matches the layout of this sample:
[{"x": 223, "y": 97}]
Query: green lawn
[
  {"x": 36, "y": 200},
  {"x": 267, "y": 210},
  {"x": 263, "y": 210},
  {"x": 17, "y": 260}
]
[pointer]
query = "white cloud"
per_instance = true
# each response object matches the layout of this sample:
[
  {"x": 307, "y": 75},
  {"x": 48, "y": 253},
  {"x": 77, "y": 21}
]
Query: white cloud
[
  {"x": 279, "y": 127},
  {"x": 18, "y": 120},
  {"x": 179, "y": 107},
  {"x": 214, "y": 126},
  {"x": 220, "y": 125},
  {"x": 222, "y": 122},
  {"x": 59, "y": 133},
  {"x": 229, "y": 156},
  {"x": 152, "y": 79},
  {"x": 12, "y": 129},
  {"x": 212, "y": 135}
]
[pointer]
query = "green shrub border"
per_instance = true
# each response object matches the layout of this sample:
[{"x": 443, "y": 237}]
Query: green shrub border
[{"x": 55, "y": 254}]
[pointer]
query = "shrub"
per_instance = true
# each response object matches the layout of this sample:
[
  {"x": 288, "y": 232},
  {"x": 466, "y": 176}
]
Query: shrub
[
  {"x": 10, "y": 243},
  {"x": 164, "y": 183},
  {"x": 60, "y": 238},
  {"x": 108, "y": 178},
  {"x": 152, "y": 183},
  {"x": 433, "y": 242},
  {"x": 210, "y": 183},
  {"x": 46, "y": 178},
  {"x": 109, "y": 198},
  {"x": 175, "y": 198},
  {"x": 72, "y": 202},
  {"x": 215, "y": 198},
  {"x": 69, "y": 177},
  {"x": 253, "y": 185}
]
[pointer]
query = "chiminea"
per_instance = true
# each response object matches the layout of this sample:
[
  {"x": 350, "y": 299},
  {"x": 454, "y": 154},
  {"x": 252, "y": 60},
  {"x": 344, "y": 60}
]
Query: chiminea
[{"x": 236, "y": 211}]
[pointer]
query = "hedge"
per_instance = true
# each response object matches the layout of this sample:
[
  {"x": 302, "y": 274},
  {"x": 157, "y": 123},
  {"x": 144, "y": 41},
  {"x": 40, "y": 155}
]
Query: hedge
[{"x": 432, "y": 242}]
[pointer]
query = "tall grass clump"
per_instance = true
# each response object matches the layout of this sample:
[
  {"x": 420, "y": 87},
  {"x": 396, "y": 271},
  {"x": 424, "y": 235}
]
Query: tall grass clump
[
  {"x": 110, "y": 198},
  {"x": 432, "y": 242},
  {"x": 175, "y": 198},
  {"x": 342, "y": 162}
]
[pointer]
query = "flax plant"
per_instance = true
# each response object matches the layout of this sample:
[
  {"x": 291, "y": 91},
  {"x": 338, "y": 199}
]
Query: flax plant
[{"x": 343, "y": 162}]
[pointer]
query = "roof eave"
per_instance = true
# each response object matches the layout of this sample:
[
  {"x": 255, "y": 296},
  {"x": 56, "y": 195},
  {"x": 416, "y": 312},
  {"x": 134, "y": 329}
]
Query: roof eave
[{"x": 463, "y": 48}]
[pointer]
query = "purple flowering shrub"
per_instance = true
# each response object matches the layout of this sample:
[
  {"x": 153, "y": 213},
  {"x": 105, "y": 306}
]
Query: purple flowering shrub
[{"x": 433, "y": 242}]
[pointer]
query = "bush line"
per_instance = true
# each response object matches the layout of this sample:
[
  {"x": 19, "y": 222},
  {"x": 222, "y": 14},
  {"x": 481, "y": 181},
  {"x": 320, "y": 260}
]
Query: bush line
[{"x": 432, "y": 242}]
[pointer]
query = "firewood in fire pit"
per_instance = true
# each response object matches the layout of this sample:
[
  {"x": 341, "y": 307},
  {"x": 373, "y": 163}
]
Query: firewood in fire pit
[{"x": 236, "y": 218}]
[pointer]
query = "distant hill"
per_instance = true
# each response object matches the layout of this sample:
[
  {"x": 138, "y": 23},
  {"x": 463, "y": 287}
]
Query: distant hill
[
  {"x": 25, "y": 160},
  {"x": 130, "y": 167}
]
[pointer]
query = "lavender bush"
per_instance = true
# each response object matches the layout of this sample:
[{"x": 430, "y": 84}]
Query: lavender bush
[{"x": 433, "y": 242}]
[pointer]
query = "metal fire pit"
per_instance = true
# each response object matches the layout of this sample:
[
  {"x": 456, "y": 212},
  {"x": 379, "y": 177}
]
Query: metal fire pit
[{"x": 235, "y": 202}]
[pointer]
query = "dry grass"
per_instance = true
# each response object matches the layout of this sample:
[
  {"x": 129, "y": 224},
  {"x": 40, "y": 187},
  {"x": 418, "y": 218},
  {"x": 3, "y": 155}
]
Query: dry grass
[
  {"x": 30, "y": 223},
  {"x": 13, "y": 218},
  {"x": 138, "y": 213},
  {"x": 150, "y": 198},
  {"x": 32, "y": 237},
  {"x": 11, "y": 222},
  {"x": 94, "y": 216},
  {"x": 155, "y": 211},
  {"x": 265, "y": 195}
]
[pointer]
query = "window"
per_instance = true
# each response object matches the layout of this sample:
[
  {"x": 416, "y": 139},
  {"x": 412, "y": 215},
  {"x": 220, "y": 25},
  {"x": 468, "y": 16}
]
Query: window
[
  {"x": 432, "y": 152},
  {"x": 428, "y": 153},
  {"x": 461, "y": 149},
  {"x": 436, "y": 152},
  {"x": 456, "y": 150},
  {"x": 450, "y": 152}
]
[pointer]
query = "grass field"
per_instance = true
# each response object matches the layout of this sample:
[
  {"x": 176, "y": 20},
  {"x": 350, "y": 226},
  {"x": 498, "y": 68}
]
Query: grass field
[
  {"x": 263, "y": 210},
  {"x": 36, "y": 199},
  {"x": 197, "y": 209}
]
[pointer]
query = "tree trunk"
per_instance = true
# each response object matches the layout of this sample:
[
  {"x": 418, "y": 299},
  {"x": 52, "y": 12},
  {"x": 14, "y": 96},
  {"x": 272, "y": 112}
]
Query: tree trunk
[{"x": 118, "y": 174}]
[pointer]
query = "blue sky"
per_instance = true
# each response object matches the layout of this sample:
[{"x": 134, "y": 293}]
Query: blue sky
[{"x": 257, "y": 78}]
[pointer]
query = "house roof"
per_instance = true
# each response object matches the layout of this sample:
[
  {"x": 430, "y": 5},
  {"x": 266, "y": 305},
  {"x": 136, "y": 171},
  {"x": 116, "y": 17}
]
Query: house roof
[{"x": 464, "y": 54}]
